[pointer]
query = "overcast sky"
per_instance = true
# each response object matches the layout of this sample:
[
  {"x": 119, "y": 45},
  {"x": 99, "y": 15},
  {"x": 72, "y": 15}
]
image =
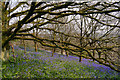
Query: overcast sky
[
  {"x": 62, "y": 0},
  {"x": 14, "y": 3}
]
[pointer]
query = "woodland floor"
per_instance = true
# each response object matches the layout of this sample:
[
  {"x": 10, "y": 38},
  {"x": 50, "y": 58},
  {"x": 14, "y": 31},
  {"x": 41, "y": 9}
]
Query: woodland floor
[{"x": 41, "y": 65}]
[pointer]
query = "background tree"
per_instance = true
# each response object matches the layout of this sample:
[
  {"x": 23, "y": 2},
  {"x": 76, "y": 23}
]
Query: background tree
[{"x": 39, "y": 10}]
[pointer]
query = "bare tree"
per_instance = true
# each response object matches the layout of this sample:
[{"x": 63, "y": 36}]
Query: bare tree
[{"x": 39, "y": 10}]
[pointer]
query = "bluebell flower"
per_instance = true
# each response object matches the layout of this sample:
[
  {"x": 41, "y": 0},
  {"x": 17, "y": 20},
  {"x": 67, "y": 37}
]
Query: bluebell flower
[
  {"x": 29, "y": 67},
  {"x": 37, "y": 71},
  {"x": 26, "y": 70},
  {"x": 16, "y": 55},
  {"x": 18, "y": 63}
]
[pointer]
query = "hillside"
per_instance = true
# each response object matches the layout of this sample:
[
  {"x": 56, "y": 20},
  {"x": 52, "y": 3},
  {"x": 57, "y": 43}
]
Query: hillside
[{"x": 41, "y": 65}]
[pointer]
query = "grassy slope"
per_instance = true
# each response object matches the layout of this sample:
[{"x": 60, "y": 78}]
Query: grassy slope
[{"x": 41, "y": 64}]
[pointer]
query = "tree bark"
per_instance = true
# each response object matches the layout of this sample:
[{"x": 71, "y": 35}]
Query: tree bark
[
  {"x": 35, "y": 46},
  {"x": 119, "y": 54},
  {"x": 93, "y": 54},
  {"x": 24, "y": 47},
  {"x": 80, "y": 58},
  {"x": 66, "y": 53},
  {"x": 53, "y": 51},
  {"x": 13, "y": 51}
]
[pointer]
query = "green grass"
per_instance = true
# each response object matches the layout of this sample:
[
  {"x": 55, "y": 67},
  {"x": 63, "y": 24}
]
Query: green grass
[{"x": 42, "y": 65}]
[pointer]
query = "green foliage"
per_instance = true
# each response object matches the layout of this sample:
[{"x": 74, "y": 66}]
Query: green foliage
[{"x": 42, "y": 65}]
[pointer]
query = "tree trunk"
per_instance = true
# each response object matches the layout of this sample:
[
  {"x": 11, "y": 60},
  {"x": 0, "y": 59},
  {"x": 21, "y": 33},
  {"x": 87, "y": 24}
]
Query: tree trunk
[
  {"x": 93, "y": 55},
  {"x": 118, "y": 54},
  {"x": 105, "y": 57},
  {"x": 5, "y": 53},
  {"x": 99, "y": 54},
  {"x": 35, "y": 46},
  {"x": 53, "y": 51},
  {"x": 2, "y": 56},
  {"x": 66, "y": 53},
  {"x": 62, "y": 51},
  {"x": 24, "y": 47},
  {"x": 13, "y": 52},
  {"x": 80, "y": 58}
]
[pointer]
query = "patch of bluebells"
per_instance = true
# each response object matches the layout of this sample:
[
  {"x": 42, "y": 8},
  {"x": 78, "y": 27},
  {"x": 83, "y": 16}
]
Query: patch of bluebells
[{"x": 41, "y": 64}]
